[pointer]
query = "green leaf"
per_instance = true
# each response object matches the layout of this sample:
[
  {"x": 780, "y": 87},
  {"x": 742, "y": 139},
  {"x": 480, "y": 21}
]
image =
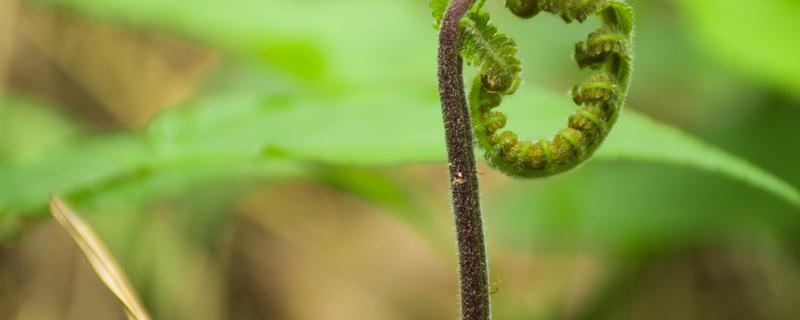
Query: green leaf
[
  {"x": 670, "y": 146},
  {"x": 260, "y": 131}
]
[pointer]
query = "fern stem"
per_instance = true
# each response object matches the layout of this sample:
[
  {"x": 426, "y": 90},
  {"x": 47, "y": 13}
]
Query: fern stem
[{"x": 473, "y": 269}]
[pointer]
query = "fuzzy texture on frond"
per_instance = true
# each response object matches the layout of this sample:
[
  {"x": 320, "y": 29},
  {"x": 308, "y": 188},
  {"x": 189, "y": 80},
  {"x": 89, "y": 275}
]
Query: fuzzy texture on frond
[{"x": 495, "y": 53}]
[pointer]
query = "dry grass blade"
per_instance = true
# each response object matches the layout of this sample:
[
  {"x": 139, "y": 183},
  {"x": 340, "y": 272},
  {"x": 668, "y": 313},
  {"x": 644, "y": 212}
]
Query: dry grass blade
[{"x": 100, "y": 258}]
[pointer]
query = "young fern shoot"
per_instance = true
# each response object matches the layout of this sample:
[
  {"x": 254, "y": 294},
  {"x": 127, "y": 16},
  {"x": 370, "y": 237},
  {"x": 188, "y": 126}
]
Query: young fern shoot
[
  {"x": 466, "y": 32},
  {"x": 600, "y": 97}
]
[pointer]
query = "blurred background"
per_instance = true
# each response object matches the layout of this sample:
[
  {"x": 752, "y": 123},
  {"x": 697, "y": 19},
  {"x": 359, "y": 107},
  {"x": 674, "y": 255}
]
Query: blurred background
[{"x": 284, "y": 159}]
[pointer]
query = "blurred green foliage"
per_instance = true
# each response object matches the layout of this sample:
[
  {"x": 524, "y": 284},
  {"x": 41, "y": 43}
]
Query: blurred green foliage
[
  {"x": 343, "y": 95},
  {"x": 339, "y": 91},
  {"x": 751, "y": 39}
]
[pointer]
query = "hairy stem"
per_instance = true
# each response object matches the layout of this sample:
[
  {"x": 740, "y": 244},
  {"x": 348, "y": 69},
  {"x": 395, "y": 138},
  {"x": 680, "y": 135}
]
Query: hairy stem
[{"x": 473, "y": 271}]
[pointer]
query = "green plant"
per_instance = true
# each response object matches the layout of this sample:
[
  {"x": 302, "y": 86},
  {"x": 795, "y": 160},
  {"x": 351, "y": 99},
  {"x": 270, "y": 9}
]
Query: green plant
[
  {"x": 466, "y": 33},
  {"x": 299, "y": 100}
]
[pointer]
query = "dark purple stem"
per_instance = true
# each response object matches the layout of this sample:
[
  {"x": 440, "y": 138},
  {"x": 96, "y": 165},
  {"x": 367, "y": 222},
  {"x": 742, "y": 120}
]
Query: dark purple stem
[{"x": 473, "y": 270}]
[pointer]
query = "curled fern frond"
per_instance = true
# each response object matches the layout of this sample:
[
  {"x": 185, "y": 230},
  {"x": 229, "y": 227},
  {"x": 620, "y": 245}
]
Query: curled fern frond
[
  {"x": 599, "y": 97},
  {"x": 494, "y": 52}
]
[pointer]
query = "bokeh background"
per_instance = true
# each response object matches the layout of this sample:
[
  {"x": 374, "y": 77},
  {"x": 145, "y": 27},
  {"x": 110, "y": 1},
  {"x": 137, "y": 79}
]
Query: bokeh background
[{"x": 283, "y": 159}]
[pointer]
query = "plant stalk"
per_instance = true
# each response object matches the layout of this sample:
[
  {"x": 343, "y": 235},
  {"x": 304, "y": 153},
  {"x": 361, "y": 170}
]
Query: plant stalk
[{"x": 473, "y": 269}]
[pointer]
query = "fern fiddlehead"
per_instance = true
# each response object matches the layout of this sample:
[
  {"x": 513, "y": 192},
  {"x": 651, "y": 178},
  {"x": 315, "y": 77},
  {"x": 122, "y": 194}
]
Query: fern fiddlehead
[
  {"x": 465, "y": 34},
  {"x": 600, "y": 97}
]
